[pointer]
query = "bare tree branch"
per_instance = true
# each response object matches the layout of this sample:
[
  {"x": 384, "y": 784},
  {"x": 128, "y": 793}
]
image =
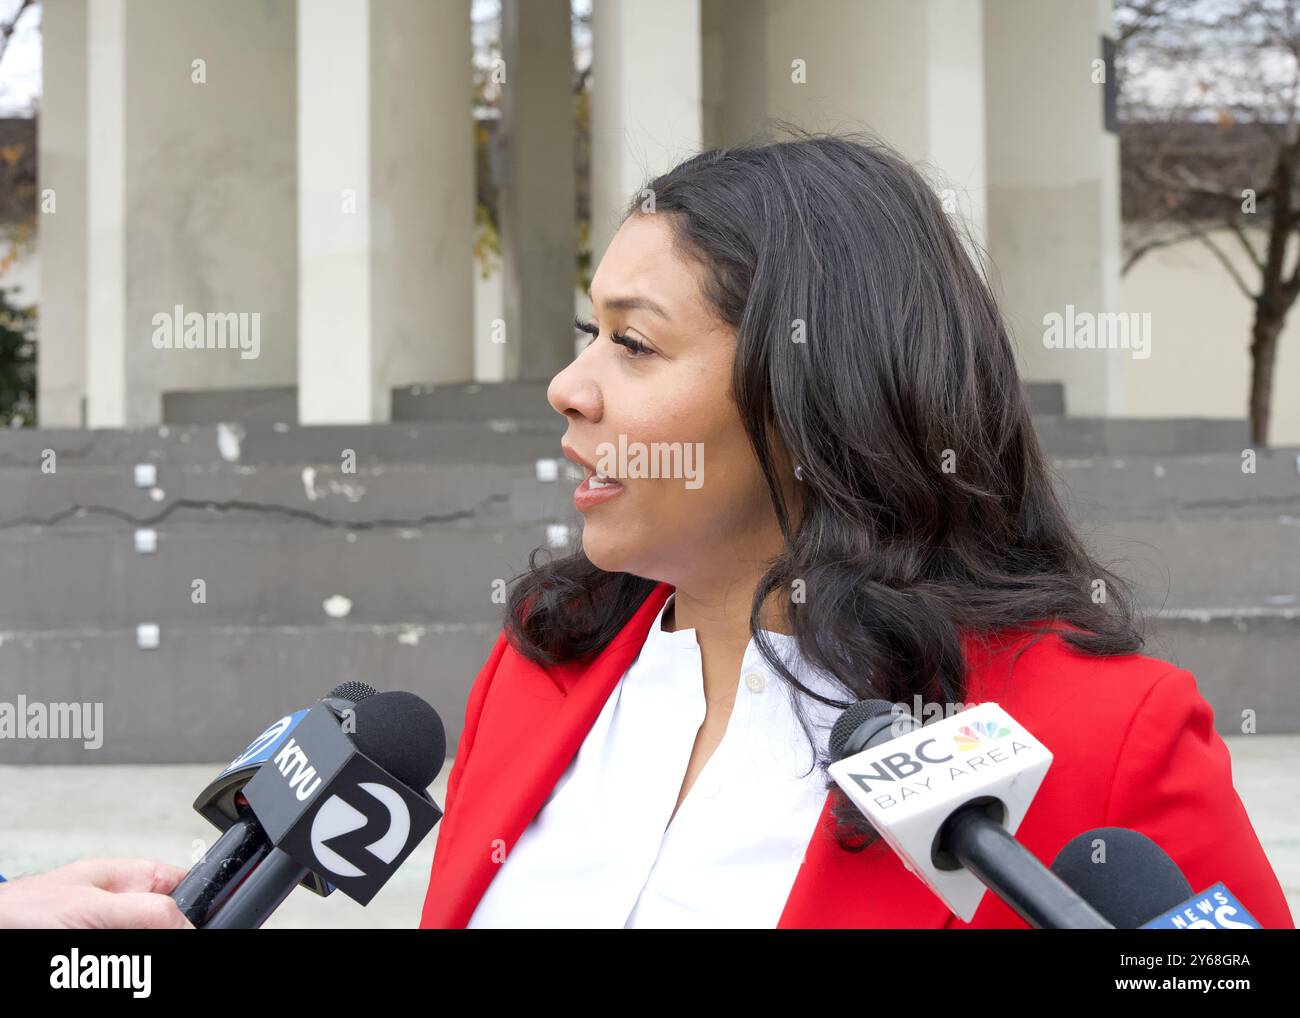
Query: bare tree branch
[
  {"x": 1200, "y": 233},
  {"x": 7, "y": 27},
  {"x": 1154, "y": 245}
]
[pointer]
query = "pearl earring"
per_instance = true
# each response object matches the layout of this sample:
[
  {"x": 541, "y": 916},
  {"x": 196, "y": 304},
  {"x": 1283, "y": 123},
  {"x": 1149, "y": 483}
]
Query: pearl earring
[{"x": 798, "y": 472}]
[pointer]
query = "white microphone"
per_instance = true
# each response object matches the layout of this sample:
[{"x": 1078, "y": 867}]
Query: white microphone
[{"x": 947, "y": 798}]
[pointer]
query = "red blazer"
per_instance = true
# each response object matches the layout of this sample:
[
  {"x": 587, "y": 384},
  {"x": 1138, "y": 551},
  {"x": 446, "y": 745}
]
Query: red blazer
[{"x": 1132, "y": 739}]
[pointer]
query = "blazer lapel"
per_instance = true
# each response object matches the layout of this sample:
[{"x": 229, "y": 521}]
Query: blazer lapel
[
  {"x": 535, "y": 720},
  {"x": 871, "y": 889}
]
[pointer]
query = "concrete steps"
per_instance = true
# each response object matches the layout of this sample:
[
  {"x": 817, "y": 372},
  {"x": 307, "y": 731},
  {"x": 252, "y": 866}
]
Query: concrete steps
[
  {"x": 1245, "y": 664},
  {"x": 476, "y": 441},
  {"x": 257, "y": 574},
  {"x": 435, "y": 511},
  {"x": 207, "y": 690},
  {"x": 270, "y": 520},
  {"x": 398, "y": 495}
]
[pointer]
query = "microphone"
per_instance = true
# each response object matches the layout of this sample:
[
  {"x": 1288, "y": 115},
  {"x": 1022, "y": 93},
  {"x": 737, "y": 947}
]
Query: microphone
[
  {"x": 948, "y": 798},
  {"x": 349, "y": 809},
  {"x": 1138, "y": 880},
  {"x": 219, "y": 800},
  {"x": 243, "y": 844},
  {"x": 1215, "y": 908}
]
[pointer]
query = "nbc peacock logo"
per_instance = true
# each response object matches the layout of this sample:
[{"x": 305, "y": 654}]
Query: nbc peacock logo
[{"x": 977, "y": 733}]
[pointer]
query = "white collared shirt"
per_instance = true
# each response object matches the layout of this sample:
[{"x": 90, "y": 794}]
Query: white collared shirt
[{"x": 597, "y": 854}]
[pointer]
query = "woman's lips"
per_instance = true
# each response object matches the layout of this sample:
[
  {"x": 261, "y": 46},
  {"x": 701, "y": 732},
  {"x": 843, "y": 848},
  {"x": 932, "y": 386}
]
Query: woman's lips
[{"x": 586, "y": 497}]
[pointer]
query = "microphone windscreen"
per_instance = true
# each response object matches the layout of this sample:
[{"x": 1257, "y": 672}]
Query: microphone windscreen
[
  {"x": 403, "y": 734},
  {"x": 1136, "y": 882},
  {"x": 852, "y": 719},
  {"x": 354, "y": 691}
]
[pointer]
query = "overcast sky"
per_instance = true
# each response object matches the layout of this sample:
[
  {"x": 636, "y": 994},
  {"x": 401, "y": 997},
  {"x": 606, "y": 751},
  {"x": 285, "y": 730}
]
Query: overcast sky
[{"x": 20, "y": 70}]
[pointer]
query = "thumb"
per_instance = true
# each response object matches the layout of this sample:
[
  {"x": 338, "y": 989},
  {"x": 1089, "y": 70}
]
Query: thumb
[
  {"x": 126, "y": 875},
  {"x": 139, "y": 910}
]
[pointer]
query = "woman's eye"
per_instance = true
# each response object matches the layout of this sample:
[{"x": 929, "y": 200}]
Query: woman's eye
[{"x": 638, "y": 349}]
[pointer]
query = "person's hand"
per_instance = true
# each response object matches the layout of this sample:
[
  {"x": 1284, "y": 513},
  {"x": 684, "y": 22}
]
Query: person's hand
[{"x": 97, "y": 894}]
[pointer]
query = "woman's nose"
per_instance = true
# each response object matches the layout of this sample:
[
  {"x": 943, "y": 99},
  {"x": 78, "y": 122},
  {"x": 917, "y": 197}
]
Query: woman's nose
[{"x": 574, "y": 390}]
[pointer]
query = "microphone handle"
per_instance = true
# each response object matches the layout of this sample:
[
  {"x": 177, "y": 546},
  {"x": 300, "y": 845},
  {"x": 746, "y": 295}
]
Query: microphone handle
[
  {"x": 1011, "y": 871},
  {"x": 260, "y": 894},
  {"x": 211, "y": 880}
]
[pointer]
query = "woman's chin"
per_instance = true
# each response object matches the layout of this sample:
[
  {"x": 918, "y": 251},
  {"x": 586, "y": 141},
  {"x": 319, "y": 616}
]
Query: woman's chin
[
  {"x": 598, "y": 553},
  {"x": 605, "y": 550}
]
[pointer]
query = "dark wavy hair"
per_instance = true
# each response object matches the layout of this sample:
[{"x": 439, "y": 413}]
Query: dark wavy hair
[{"x": 928, "y": 507}]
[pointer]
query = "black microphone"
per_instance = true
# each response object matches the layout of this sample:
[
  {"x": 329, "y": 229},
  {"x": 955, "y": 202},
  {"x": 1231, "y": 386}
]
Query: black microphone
[
  {"x": 942, "y": 827},
  {"x": 224, "y": 866},
  {"x": 349, "y": 810},
  {"x": 243, "y": 844},
  {"x": 1136, "y": 882}
]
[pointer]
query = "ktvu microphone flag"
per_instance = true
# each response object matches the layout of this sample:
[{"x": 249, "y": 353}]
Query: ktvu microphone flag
[{"x": 335, "y": 811}]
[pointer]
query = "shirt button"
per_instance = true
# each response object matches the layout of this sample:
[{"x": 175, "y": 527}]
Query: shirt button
[
  {"x": 755, "y": 682},
  {"x": 710, "y": 789}
]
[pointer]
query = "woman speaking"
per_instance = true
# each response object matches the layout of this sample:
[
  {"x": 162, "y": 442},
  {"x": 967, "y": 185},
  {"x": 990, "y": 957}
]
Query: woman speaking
[{"x": 810, "y": 479}]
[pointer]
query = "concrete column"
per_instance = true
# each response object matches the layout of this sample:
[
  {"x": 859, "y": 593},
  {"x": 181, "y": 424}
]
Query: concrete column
[
  {"x": 210, "y": 210},
  {"x": 538, "y": 194},
  {"x": 386, "y": 203},
  {"x": 335, "y": 378},
  {"x": 1053, "y": 185},
  {"x": 61, "y": 210},
  {"x": 422, "y": 183},
  {"x": 646, "y": 112},
  {"x": 184, "y": 199},
  {"x": 955, "y": 103},
  {"x": 105, "y": 196},
  {"x": 909, "y": 71}
]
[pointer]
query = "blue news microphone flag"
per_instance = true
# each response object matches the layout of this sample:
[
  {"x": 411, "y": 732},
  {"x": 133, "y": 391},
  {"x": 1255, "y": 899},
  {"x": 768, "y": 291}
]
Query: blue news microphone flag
[{"x": 1215, "y": 908}]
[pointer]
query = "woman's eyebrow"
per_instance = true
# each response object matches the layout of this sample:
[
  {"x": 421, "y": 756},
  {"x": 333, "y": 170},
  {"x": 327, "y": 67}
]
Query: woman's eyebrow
[{"x": 632, "y": 304}]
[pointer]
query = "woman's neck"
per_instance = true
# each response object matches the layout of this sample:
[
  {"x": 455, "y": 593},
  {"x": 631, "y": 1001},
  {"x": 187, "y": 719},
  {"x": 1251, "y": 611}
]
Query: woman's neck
[{"x": 730, "y": 624}]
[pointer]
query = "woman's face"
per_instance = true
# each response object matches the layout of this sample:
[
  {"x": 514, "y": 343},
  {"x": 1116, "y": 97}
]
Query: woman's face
[{"x": 695, "y": 509}]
